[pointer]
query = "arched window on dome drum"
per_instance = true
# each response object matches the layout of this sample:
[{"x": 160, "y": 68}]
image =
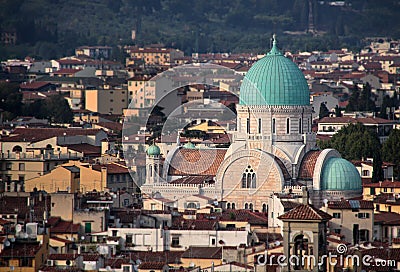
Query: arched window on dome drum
[
  {"x": 259, "y": 125},
  {"x": 246, "y": 206},
  {"x": 239, "y": 125},
  {"x": 248, "y": 125},
  {"x": 228, "y": 206},
  {"x": 300, "y": 127},
  {"x": 287, "y": 126},
  {"x": 150, "y": 170},
  {"x": 251, "y": 207},
  {"x": 273, "y": 126},
  {"x": 249, "y": 179},
  {"x": 233, "y": 206}
]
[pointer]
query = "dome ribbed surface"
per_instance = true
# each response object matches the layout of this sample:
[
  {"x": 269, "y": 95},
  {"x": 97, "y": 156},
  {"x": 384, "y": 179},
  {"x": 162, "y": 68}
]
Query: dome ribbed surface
[
  {"x": 340, "y": 175},
  {"x": 274, "y": 80},
  {"x": 153, "y": 150}
]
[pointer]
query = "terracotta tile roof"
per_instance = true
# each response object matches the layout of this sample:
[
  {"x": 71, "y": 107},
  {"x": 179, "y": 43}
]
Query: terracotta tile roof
[
  {"x": 348, "y": 120},
  {"x": 112, "y": 168},
  {"x": 65, "y": 227},
  {"x": 196, "y": 162},
  {"x": 152, "y": 265},
  {"x": 90, "y": 257},
  {"x": 346, "y": 204},
  {"x": 21, "y": 250},
  {"x": 305, "y": 212},
  {"x": 386, "y": 183},
  {"x": 61, "y": 240},
  {"x": 269, "y": 237},
  {"x": 66, "y": 71},
  {"x": 185, "y": 224},
  {"x": 170, "y": 257},
  {"x": 308, "y": 164},
  {"x": 203, "y": 253},
  {"x": 33, "y": 85},
  {"x": 253, "y": 218},
  {"x": 63, "y": 257},
  {"x": 87, "y": 149},
  {"x": 387, "y": 218},
  {"x": 116, "y": 262},
  {"x": 40, "y": 134},
  {"x": 194, "y": 180}
]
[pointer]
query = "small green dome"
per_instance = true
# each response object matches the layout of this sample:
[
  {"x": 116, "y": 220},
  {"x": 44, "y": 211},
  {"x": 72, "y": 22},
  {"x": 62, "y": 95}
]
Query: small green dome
[
  {"x": 274, "y": 80},
  {"x": 340, "y": 175},
  {"x": 153, "y": 150},
  {"x": 189, "y": 145}
]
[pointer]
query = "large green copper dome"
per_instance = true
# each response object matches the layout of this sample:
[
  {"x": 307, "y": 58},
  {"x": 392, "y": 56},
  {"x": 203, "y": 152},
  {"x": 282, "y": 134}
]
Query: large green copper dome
[
  {"x": 274, "y": 80},
  {"x": 340, "y": 175}
]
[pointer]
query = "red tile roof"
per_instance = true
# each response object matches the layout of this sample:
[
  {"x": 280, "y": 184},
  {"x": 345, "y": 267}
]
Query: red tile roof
[
  {"x": 63, "y": 257},
  {"x": 170, "y": 257},
  {"x": 21, "y": 250},
  {"x": 66, "y": 71},
  {"x": 387, "y": 218},
  {"x": 196, "y": 161},
  {"x": 90, "y": 257},
  {"x": 152, "y": 265},
  {"x": 112, "y": 168},
  {"x": 308, "y": 164},
  {"x": 203, "y": 253},
  {"x": 33, "y": 85},
  {"x": 305, "y": 212},
  {"x": 87, "y": 149},
  {"x": 65, "y": 227},
  {"x": 40, "y": 134},
  {"x": 348, "y": 120},
  {"x": 345, "y": 204}
]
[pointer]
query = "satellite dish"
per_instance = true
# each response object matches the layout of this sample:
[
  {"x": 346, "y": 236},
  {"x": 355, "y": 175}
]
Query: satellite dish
[
  {"x": 7, "y": 243},
  {"x": 277, "y": 243},
  {"x": 325, "y": 201},
  {"x": 138, "y": 262},
  {"x": 82, "y": 237},
  {"x": 12, "y": 239}
]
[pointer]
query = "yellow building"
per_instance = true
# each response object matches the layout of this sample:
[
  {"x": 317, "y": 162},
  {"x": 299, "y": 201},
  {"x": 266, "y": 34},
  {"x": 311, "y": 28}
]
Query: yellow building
[
  {"x": 141, "y": 92},
  {"x": 154, "y": 56},
  {"x": 208, "y": 127},
  {"x": 106, "y": 101},
  {"x": 62, "y": 178}
]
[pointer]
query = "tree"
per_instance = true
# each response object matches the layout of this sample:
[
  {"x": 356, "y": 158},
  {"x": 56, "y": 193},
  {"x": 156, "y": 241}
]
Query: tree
[
  {"x": 338, "y": 111},
  {"x": 377, "y": 172},
  {"x": 355, "y": 142},
  {"x": 390, "y": 150},
  {"x": 323, "y": 111}
]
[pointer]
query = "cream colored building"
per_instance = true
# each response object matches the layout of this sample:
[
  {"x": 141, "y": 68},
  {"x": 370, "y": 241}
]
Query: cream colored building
[{"x": 154, "y": 56}]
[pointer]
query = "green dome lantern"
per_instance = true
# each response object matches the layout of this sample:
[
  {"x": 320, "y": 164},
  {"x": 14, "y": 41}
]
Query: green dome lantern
[
  {"x": 153, "y": 150},
  {"x": 189, "y": 145},
  {"x": 340, "y": 175},
  {"x": 274, "y": 80}
]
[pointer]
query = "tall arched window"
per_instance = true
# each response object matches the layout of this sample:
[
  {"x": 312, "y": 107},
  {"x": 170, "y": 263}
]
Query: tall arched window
[
  {"x": 249, "y": 179},
  {"x": 300, "y": 126},
  {"x": 233, "y": 206},
  {"x": 273, "y": 126},
  {"x": 150, "y": 170},
  {"x": 264, "y": 208},
  {"x": 259, "y": 125},
  {"x": 251, "y": 207},
  {"x": 287, "y": 126},
  {"x": 246, "y": 206},
  {"x": 228, "y": 206},
  {"x": 248, "y": 125}
]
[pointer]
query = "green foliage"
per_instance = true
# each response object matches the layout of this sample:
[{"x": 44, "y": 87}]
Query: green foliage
[
  {"x": 338, "y": 111},
  {"x": 323, "y": 111},
  {"x": 10, "y": 100},
  {"x": 391, "y": 148},
  {"x": 388, "y": 103},
  {"x": 354, "y": 142},
  {"x": 361, "y": 100}
]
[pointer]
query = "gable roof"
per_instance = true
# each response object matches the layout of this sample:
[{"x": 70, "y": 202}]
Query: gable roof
[
  {"x": 305, "y": 212},
  {"x": 203, "y": 253}
]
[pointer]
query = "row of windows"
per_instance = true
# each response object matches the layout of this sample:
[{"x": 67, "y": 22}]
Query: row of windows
[
  {"x": 247, "y": 206},
  {"x": 359, "y": 215},
  {"x": 288, "y": 131}
]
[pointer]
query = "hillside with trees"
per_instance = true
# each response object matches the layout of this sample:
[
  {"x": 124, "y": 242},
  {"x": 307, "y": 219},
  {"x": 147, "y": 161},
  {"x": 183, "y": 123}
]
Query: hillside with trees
[{"x": 53, "y": 28}]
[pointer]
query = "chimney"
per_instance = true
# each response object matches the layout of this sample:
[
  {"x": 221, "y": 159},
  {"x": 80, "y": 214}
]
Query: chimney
[{"x": 305, "y": 195}]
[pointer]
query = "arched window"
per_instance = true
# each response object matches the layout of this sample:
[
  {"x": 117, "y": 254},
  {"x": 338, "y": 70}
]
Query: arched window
[
  {"x": 273, "y": 126},
  {"x": 300, "y": 126},
  {"x": 248, "y": 125},
  {"x": 246, "y": 206},
  {"x": 249, "y": 178},
  {"x": 233, "y": 206},
  {"x": 17, "y": 149},
  {"x": 150, "y": 170},
  {"x": 251, "y": 207},
  {"x": 264, "y": 208},
  {"x": 287, "y": 126},
  {"x": 191, "y": 205},
  {"x": 259, "y": 125},
  {"x": 228, "y": 206},
  {"x": 49, "y": 146}
]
